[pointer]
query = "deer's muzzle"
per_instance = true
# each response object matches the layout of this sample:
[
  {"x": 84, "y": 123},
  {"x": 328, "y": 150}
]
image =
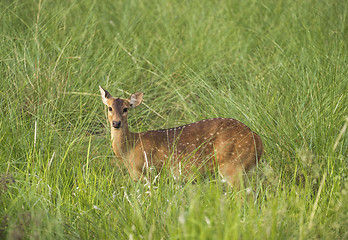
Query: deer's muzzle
[{"x": 116, "y": 124}]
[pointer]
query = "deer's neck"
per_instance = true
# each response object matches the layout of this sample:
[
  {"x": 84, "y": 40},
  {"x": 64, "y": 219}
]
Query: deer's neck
[{"x": 122, "y": 141}]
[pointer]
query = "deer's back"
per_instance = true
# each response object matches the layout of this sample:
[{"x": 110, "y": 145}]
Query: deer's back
[{"x": 221, "y": 139}]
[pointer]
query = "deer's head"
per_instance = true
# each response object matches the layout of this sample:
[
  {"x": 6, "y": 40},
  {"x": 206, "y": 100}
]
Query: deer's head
[{"x": 118, "y": 107}]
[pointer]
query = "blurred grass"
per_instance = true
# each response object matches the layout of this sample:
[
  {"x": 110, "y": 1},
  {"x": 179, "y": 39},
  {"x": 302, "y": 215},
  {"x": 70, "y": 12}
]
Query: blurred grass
[{"x": 280, "y": 67}]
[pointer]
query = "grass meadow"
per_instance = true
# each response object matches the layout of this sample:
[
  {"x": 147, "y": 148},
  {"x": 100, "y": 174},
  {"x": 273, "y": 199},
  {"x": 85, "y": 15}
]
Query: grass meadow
[{"x": 280, "y": 67}]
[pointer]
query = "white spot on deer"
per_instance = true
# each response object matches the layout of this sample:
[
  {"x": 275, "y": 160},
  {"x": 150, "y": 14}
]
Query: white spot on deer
[
  {"x": 197, "y": 139},
  {"x": 203, "y": 120},
  {"x": 165, "y": 155},
  {"x": 193, "y": 144},
  {"x": 188, "y": 143},
  {"x": 239, "y": 146},
  {"x": 210, "y": 143},
  {"x": 205, "y": 138},
  {"x": 241, "y": 135},
  {"x": 217, "y": 133},
  {"x": 221, "y": 128},
  {"x": 211, "y": 134}
]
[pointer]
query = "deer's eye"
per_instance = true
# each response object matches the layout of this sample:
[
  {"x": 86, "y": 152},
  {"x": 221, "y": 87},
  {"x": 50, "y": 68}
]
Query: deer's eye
[
  {"x": 110, "y": 109},
  {"x": 125, "y": 110}
]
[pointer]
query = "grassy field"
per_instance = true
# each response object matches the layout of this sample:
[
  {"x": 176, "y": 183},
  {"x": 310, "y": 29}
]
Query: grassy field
[{"x": 280, "y": 67}]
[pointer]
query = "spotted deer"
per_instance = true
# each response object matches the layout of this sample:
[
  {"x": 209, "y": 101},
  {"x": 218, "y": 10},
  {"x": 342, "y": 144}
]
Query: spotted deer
[{"x": 224, "y": 144}]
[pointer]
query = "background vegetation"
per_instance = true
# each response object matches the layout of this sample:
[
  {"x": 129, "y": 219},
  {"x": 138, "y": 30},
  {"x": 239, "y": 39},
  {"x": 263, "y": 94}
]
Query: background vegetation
[{"x": 278, "y": 66}]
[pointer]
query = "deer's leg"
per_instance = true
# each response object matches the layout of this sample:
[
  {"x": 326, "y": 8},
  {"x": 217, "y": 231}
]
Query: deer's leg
[
  {"x": 235, "y": 169},
  {"x": 135, "y": 174},
  {"x": 231, "y": 173},
  {"x": 232, "y": 167},
  {"x": 135, "y": 165}
]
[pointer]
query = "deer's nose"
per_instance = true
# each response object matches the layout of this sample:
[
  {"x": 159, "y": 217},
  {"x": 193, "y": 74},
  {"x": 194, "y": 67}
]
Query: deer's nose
[{"x": 116, "y": 124}]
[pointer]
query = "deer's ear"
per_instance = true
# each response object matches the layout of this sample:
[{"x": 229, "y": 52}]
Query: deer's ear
[
  {"x": 105, "y": 95},
  {"x": 135, "y": 99}
]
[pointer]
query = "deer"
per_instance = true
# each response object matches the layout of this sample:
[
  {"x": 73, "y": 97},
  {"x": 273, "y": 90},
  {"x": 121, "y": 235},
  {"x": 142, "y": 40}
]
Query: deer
[{"x": 222, "y": 144}]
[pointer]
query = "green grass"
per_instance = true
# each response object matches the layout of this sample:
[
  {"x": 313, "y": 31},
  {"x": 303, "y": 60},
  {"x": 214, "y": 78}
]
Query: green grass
[{"x": 280, "y": 67}]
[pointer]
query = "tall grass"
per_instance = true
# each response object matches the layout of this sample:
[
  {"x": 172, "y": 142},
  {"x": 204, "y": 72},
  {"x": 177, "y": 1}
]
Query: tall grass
[{"x": 280, "y": 67}]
